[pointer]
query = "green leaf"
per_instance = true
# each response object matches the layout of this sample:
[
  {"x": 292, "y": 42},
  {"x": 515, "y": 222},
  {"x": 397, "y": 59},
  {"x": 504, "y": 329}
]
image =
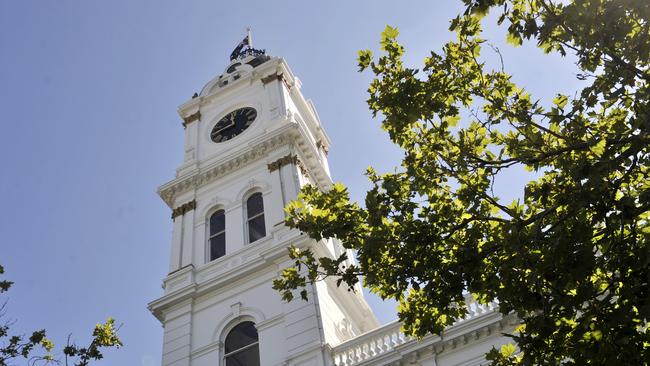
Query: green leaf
[
  {"x": 476, "y": 50},
  {"x": 452, "y": 121},
  {"x": 560, "y": 100},
  {"x": 364, "y": 59},
  {"x": 514, "y": 39},
  {"x": 599, "y": 148},
  {"x": 389, "y": 33},
  {"x": 508, "y": 350}
]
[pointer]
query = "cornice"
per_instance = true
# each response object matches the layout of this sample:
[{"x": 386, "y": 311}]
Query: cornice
[
  {"x": 205, "y": 175},
  {"x": 288, "y": 134},
  {"x": 217, "y": 275},
  {"x": 157, "y": 306},
  {"x": 487, "y": 325},
  {"x": 202, "y": 351},
  {"x": 311, "y": 157}
]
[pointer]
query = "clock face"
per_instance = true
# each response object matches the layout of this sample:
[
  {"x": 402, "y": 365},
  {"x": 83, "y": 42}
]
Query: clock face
[{"x": 232, "y": 124}]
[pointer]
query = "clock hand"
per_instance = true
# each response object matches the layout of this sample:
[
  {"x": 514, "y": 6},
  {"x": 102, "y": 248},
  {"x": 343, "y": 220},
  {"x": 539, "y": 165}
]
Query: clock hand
[{"x": 231, "y": 124}]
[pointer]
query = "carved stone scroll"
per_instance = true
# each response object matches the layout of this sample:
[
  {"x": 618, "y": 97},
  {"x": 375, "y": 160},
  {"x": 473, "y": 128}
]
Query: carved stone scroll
[
  {"x": 286, "y": 160},
  {"x": 271, "y": 78},
  {"x": 277, "y": 76},
  {"x": 183, "y": 209},
  {"x": 321, "y": 145},
  {"x": 191, "y": 118}
]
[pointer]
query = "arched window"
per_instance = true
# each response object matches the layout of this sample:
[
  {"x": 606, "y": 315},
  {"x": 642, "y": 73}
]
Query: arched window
[
  {"x": 255, "y": 213},
  {"x": 217, "y": 237},
  {"x": 242, "y": 346}
]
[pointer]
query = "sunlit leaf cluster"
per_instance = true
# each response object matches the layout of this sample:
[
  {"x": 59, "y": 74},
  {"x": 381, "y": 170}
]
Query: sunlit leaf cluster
[{"x": 572, "y": 257}]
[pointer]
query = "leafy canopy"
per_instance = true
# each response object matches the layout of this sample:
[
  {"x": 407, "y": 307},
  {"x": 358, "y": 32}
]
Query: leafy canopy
[
  {"x": 38, "y": 349},
  {"x": 572, "y": 257}
]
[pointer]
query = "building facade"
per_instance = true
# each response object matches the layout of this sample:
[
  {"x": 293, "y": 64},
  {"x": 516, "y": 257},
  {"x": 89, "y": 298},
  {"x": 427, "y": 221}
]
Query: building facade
[{"x": 251, "y": 141}]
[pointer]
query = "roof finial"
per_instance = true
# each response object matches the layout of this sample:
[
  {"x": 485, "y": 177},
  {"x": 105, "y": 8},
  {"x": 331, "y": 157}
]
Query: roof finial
[{"x": 250, "y": 37}]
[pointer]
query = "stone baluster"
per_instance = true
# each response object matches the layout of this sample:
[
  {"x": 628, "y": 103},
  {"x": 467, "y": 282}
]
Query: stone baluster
[{"x": 350, "y": 357}]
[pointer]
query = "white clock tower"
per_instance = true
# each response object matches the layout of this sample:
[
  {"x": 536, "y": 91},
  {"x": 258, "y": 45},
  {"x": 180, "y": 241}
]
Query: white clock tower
[{"x": 251, "y": 141}]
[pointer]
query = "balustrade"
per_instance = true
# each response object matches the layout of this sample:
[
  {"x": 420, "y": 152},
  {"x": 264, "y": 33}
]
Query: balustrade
[{"x": 386, "y": 338}]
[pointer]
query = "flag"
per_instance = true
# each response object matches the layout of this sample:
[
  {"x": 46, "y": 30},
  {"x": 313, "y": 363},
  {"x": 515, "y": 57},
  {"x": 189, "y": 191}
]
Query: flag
[{"x": 237, "y": 50}]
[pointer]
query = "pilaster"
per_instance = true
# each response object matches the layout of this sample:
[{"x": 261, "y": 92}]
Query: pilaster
[
  {"x": 235, "y": 225},
  {"x": 177, "y": 238},
  {"x": 177, "y": 339},
  {"x": 188, "y": 238}
]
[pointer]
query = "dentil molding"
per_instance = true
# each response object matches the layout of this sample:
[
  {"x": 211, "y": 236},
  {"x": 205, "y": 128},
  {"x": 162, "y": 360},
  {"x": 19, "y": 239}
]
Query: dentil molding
[{"x": 183, "y": 184}]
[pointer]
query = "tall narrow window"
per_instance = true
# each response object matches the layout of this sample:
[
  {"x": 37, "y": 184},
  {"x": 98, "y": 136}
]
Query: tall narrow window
[
  {"x": 255, "y": 212},
  {"x": 217, "y": 240},
  {"x": 242, "y": 346}
]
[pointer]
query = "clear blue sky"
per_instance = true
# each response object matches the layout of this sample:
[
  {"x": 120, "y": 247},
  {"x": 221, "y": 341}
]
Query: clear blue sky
[{"x": 88, "y": 98}]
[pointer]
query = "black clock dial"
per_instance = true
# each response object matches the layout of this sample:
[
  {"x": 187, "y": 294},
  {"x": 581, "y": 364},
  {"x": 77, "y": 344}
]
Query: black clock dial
[{"x": 232, "y": 124}]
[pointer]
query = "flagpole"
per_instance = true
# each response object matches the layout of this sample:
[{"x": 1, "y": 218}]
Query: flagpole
[{"x": 250, "y": 38}]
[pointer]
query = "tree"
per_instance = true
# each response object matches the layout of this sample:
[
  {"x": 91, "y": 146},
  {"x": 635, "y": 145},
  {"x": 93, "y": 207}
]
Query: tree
[
  {"x": 572, "y": 257},
  {"x": 14, "y": 347}
]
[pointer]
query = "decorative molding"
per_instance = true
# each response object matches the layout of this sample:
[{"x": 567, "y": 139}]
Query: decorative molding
[
  {"x": 202, "y": 351},
  {"x": 286, "y": 160},
  {"x": 211, "y": 90},
  {"x": 210, "y": 173},
  {"x": 236, "y": 309},
  {"x": 207, "y": 173},
  {"x": 343, "y": 329},
  {"x": 187, "y": 267},
  {"x": 161, "y": 307},
  {"x": 321, "y": 145},
  {"x": 252, "y": 186},
  {"x": 276, "y": 76},
  {"x": 388, "y": 342},
  {"x": 272, "y": 77},
  {"x": 191, "y": 118},
  {"x": 302, "y": 168},
  {"x": 216, "y": 203},
  {"x": 183, "y": 209},
  {"x": 178, "y": 279},
  {"x": 217, "y": 276},
  {"x": 230, "y": 321},
  {"x": 269, "y": 322}
]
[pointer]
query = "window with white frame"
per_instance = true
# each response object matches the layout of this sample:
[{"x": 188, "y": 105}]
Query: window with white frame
[
  {"x": 255, "y": 217},
  {"x": 241, "y": 347},
  {"x": 217, "y": 235}
]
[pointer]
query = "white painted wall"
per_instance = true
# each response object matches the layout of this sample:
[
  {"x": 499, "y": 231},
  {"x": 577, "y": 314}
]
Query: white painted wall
[{"x": 204, "y": 299}]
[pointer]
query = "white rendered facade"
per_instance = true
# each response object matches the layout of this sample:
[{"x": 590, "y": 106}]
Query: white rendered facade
[{"x": 283, "y": 149}]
